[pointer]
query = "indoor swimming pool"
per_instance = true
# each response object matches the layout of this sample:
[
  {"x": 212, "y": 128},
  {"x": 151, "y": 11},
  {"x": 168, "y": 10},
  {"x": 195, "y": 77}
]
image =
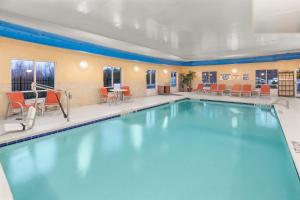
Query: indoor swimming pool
[{"x": 185, "y": 150}]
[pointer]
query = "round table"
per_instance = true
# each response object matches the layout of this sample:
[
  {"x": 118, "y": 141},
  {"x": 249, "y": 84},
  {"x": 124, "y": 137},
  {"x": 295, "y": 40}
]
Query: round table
[{"x": 119, "y": 93}]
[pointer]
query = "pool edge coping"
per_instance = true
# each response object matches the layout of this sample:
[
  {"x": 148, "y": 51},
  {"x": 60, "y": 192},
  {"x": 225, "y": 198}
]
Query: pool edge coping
[
  {"x": 290, "y": 148},
  {"x": 44, "y": 133}
]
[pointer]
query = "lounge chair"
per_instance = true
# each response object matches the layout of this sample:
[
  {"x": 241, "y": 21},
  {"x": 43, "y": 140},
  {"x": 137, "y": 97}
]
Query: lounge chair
[
  {"x": 236, "y": 90},
  {"x": 213, "y": 87},
  {"x": 16, "y": 101},
  {"x": 52, "y": 100},
  {"x": 221, "y": 88},
  {"x": 126, "y": 94},
  {"x": 247, "y": 90},
  {"x": 199, "y": 88},
  {"x": 107, "y": 97},
  {"x": 27, "y": 124},
  {"x": 265, "y": 90}
]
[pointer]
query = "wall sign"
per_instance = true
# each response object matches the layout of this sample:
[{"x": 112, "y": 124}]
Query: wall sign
[
  {"x": 225, "y": 77},
  {"x": 245, "y": 77}
]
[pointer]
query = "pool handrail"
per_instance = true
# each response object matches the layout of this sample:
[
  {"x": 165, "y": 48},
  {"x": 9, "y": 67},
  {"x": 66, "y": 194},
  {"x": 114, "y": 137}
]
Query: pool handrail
[
  {"x": 277, "y": 101},
  {"x": 36, "y": 86}
]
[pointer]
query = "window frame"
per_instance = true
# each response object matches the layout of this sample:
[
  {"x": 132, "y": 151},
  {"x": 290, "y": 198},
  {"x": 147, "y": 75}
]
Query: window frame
[
  {"x": 172, "y": 83},
  {"x": 34, "y": 72},
  {"x": 209, "y": 77},
  {"x": 112, "y": 76},
  {"x": 151, "y": 85},
  {"x": 266, "y": 78}
]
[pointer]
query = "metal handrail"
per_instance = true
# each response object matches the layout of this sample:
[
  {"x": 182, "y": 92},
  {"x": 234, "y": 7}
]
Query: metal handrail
[
  {"x": 277, "y": 101},
  {"x": 36, "y": 86}
]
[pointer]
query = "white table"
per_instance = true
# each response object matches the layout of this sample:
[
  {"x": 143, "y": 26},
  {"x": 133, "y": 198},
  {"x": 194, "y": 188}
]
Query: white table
[{"x": 119, "y": 93}]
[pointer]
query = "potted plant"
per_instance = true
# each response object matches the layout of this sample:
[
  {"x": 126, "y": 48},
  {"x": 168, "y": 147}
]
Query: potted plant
[{"x": 186, "y": 80}]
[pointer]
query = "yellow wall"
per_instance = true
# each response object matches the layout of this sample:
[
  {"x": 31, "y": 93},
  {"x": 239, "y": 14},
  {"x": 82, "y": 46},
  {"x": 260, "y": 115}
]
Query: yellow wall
[
  {"x": 84, "y": 84},
  {"x": 242, "y": 69}
]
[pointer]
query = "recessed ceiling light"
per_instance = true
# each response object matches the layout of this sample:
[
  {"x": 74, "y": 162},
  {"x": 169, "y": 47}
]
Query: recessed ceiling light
[
  {"x": 136, "y": 26},
  {"x": 82, "y": 7},
  {"x": 117, "y": 22}
]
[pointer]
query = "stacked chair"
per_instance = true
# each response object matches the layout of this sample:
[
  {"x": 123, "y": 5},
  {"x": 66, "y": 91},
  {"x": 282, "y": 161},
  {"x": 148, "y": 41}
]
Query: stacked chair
[{"x": 236, "y": 90}]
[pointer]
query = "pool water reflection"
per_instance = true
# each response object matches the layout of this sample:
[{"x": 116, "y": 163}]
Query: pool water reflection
[{"x": 186, "y": 150}]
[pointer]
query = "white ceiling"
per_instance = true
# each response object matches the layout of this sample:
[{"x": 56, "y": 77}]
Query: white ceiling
[
  {"x": 173, "y": 29},
  {"x": 276, "y": 16}
]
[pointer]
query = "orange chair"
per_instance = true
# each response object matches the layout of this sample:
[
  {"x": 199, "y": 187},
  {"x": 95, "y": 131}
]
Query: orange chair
[
  {"x": 213, "y": 87},
  {"x": 16, "y": 101},
  {"x": 265, "y": 90},
  {"x": 221, "y": 88},
  {"x": 52, "y": 100},
  {"x": 126, "y": 94},
  {"x": 105, "y": 97},
  {"x": 236, "y": 89},
  {"x": 247, "y": 89},
  {"x": 199, "y": 88}
]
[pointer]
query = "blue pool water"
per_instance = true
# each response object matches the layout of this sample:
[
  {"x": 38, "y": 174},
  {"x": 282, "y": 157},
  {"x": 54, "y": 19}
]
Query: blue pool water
[{"x": 189, "y": 150}]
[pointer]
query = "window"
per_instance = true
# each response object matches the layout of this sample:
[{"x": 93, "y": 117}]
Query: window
[
  {"x": 173, "y": 79},
  {"x": 150, "y": 78},
  {"x": 111, "y": 76},
  {"x": 23, "y": 73},
  {"x": 209, "y": 77},
  {"x": 269, "y": 77},
  {"x": 45, "y": 75}
]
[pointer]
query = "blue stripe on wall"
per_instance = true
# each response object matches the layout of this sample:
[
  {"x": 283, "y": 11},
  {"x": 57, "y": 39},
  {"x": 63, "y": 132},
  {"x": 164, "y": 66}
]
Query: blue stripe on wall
[
  {"x": 41, "y": 37},
  {"x": 19, "y": 32}
]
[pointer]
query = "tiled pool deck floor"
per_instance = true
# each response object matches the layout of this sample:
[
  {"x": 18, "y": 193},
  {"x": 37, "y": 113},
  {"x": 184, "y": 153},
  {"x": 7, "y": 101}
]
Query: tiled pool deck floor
[
  {"x": 54, "y": 120},
  {"x": 51, "y": 121}
]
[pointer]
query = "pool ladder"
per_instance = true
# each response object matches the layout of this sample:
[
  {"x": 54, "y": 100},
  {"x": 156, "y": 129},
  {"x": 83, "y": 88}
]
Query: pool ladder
[
  {"x": 36, "y": 88},
  {"x": 280, "y": 101},
  {"x": 127, "y": 112},
  {"x": 264, "y": 106}
]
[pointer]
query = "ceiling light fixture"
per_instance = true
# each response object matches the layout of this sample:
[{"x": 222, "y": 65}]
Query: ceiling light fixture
[
  {"x": 136, "y": 26},
  {"x": 117, "y": 21},
  {"x": 82, "y": 7}
]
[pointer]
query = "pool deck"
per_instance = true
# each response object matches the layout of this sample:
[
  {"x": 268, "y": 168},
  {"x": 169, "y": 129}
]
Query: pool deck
[{"x": 52, "y": 121}]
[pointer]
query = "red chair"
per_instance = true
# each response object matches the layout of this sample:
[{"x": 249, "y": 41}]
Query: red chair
[
  {"x": 52, "y": 100},
  {"x": 199, "y": 88},
  {"x": 265, "y": 90},
  {"x": 213, "y": 88},
  {"x": 221, "y": 88},
  {"x": 106, "y": 97},
  {"x": 16, "y": 101},
  {"x": 126, "y": 94},
  {"x": 236, "y": 89},
  {"x": 247, "y": 89}
]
